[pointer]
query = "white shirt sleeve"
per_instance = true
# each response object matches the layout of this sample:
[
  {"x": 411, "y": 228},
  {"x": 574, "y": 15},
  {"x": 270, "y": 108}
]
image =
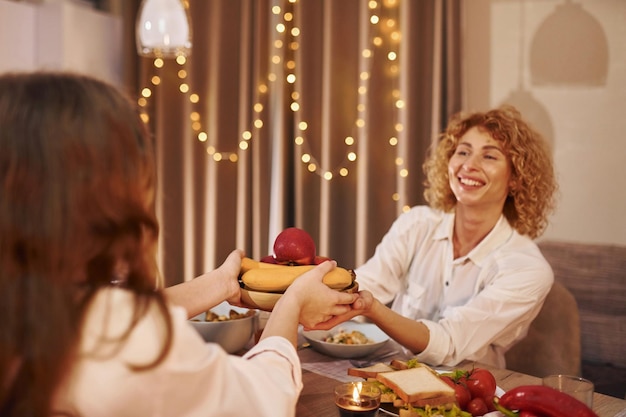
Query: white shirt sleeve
[
  {"x": 475, "y": 307},
  {"x": 195, "y": 379}
]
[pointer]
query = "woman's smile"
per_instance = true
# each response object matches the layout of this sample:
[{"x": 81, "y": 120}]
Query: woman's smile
[
  {"x": 479, "y": 170},
  {"x": 470, "y": 182}
]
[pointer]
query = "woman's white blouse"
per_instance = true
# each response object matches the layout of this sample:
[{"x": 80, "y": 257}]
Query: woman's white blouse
[
  {"x": 476, "y": 306},
  {"x": 195, "y": 379}
]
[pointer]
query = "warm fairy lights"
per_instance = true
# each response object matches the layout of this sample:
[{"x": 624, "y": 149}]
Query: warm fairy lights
[{"x": 384, "y": 38}]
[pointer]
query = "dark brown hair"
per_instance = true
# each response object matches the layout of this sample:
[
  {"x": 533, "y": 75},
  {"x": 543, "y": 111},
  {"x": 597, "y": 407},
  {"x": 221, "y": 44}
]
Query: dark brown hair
[{"x": 77, "y": 181}]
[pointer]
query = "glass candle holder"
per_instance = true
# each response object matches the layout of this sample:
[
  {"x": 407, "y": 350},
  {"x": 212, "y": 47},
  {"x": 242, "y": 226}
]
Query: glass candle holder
[{"x": 357, "y": 399}]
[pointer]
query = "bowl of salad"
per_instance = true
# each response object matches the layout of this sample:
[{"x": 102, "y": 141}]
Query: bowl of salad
[
  {"x": 229, "y": 326},
  {"x": 347, "y": 340}
]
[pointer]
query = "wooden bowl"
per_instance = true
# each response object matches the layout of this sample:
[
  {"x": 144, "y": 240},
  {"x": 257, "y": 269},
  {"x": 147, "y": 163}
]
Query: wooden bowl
[{"x": 266, "y": 300}]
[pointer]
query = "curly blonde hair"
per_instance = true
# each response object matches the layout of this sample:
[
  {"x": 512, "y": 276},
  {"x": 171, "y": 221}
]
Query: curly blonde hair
[{"x": 531, "y": 198}]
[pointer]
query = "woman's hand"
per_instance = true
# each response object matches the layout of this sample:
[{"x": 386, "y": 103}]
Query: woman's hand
[
  {"x": 360, "y": 307},
  {"x": 318, "y": 302},
  {"x": 228, "y": 272},
  {"x": 307, "y": 301}
]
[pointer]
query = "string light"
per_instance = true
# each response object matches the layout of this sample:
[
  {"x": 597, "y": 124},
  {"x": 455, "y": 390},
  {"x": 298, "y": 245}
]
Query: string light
[
  {"x": 384, "y": 36},
  {"x": 379, "y": 38}
]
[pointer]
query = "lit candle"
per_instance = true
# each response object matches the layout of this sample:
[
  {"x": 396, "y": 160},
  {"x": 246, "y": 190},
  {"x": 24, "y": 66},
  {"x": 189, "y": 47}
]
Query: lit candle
[{"x": 357, "y": 399}]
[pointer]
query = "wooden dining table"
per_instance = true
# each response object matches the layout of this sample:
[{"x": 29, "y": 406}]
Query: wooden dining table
[{"x": 321, "y": 373}]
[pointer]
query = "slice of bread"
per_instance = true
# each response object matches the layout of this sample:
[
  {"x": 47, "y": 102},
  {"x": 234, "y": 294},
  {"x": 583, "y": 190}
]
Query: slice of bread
[
  {"x": 370, "y": 371},
  {"x": 418, "y": 386},
  {"x": 399, "y": 364}
]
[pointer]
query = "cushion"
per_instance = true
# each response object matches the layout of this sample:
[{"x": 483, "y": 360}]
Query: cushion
[
  {"x": 596, "y": 275},
  {"x": 552, "y": 345}
]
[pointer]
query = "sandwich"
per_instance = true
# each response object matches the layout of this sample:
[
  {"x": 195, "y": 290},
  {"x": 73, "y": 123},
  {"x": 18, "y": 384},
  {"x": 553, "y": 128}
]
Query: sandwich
[
  {"x": 414, "y": 388},
  {"x": 370, "y": 372},
  {"x": 418, "y": 387}
]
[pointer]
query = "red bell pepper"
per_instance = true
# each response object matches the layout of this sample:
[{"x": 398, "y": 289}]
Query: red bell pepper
[{"x": 542, "y": 401}]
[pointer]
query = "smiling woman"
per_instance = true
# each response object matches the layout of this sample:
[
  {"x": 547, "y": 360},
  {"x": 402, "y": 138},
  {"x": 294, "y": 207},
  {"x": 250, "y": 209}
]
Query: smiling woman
[
  {"x": 463, "y": 275},
  {"x": 480, "y": 175},
  {"x": 532, "y": 172}
]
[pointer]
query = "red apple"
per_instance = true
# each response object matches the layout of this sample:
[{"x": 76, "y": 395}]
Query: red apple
[
  {"x": 269, "y": 259},
  {"x": 294, "y": 246}
]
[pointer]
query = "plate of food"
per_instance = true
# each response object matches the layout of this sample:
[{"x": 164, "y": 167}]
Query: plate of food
[
  {"x": 347, "y": 340},
  {"x": 411, "y": 389}
]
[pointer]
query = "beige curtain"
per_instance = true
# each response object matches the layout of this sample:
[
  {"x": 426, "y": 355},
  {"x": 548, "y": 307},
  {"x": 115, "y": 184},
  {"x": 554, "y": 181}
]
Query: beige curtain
[{"x": 309, "y": 113}]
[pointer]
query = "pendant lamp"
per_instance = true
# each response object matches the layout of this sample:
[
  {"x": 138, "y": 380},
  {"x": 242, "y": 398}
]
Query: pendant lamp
[{"x": 163, "y": 29}]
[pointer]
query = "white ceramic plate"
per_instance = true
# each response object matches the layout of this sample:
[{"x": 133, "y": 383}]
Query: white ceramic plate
[
  {"x": 371, "y": 331},
  {"x": 390, "y": 410}
]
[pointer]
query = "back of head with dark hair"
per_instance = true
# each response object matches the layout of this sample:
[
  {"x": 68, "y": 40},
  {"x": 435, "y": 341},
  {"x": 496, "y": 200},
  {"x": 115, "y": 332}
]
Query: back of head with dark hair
[{"x": 77, "y": 181}]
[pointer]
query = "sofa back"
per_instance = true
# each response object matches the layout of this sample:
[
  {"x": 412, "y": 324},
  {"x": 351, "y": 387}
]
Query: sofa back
[{"x": 596, "y": 275}]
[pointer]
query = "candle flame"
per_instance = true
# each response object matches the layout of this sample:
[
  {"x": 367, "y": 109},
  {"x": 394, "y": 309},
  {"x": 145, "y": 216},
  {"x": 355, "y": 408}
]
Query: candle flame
[{"x": 356, "y": 393}]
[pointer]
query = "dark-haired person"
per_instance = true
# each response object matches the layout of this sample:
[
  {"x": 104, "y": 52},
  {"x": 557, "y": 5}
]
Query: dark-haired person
[
  {"x": 463, "y": 275},
  {"x": 86, "y": 330}
]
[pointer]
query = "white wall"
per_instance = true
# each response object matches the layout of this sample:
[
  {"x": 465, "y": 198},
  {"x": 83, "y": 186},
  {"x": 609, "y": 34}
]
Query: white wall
[
  {"x": 584, "y": 121},
  {"x": 60, "y": 35},
  {"x": 17, "y": 35}
]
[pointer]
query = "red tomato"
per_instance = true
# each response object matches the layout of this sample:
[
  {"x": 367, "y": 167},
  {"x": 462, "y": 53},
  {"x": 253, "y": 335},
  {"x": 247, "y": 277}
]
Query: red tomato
[
  {"x": 477, "y": 407},
  {"x": 481, "y": 383},
  {"x": 490, "y": 405},
  {"x": 463, "y": 396},
  {"x": 448, "y": 380}
]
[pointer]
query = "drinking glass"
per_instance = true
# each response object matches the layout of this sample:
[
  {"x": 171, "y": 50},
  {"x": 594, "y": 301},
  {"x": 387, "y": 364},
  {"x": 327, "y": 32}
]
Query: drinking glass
[{"x": 577, "y": 387}]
